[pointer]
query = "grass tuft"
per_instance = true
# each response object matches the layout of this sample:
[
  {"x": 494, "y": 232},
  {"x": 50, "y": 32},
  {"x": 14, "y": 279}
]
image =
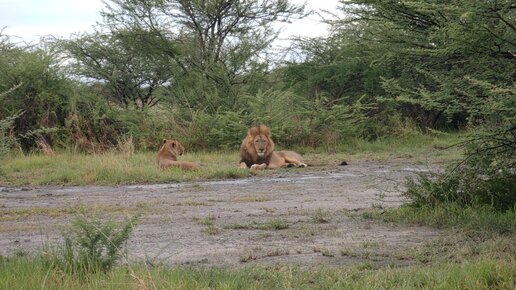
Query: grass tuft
[
  {"x": 275, "y": 224},
  {"x": 321, "y": 216}
]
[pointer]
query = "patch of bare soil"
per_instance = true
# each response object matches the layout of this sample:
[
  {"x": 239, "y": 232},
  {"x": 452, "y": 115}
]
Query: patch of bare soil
[{"x": 307, "y": 217}]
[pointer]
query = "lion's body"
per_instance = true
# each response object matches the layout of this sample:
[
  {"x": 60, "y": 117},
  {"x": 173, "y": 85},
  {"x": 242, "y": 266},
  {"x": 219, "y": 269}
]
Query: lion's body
[
  {"x": 167, "y": 156},
  {"x": 257, "y": 151}
]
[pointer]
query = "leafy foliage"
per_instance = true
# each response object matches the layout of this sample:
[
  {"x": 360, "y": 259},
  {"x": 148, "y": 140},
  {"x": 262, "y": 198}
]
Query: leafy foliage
[
  {"x": 201, "y": 71},
  {"x": 130, "y": 74},
  {"x": 31, "y": 82},
  {"x": 438, "y": 65},
  {"x": 486, "y": 176},
  {"x": 414, "y": 58},
  {"x": 449, "y": 46},
  {"x": 6, "y": 141},
  {"x": 212, "y": 47},
  {"x": 92, "y": 245},
  {"x": 463, "y": 187},
  {"x": 293, "y": 120}
]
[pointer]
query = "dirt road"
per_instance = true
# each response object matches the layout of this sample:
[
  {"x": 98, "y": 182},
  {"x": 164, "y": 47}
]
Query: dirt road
[{"x": 305, "y": 217}]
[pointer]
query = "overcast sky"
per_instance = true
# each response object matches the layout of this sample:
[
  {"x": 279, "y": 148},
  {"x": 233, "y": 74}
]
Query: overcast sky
[{"x": 31, "y": 19}]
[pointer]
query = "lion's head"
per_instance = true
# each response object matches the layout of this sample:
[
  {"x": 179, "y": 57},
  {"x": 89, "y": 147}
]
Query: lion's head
[
  {"x": 257, "y": 147},
  {"x": 171, "y": 148}
]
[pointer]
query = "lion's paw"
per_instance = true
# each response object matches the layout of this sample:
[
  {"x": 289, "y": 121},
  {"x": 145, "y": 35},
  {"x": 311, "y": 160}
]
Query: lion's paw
[{"x": 258, "y": 166}]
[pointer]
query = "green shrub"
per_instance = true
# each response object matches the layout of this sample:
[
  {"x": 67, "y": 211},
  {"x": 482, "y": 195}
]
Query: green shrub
[
  {"x": 464, "y": 187},
  {"x": 92, "y": 245},
  {"x": 295, "y": 120},
  {"x": 487, "y": 176},
  {"x": 94, "y": 125},
  {"x": 34, "y": 84},
  {"x": 226, "y": 130}
]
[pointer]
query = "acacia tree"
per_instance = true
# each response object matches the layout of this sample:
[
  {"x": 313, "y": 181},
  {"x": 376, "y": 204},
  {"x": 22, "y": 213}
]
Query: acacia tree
[
  {"x": 457, "y": 64},
  {"x": 440, "y": 47},
  {"x": 338, "y": 68},
  {"x": 218, "y": 44},
  {"x": 119, "y": 60}
]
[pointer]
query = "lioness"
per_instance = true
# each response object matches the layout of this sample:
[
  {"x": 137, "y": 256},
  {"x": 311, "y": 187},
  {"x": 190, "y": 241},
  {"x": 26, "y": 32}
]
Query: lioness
[
  {"x": 167, "y": 156},
  {"x": 257, "y": 151}
]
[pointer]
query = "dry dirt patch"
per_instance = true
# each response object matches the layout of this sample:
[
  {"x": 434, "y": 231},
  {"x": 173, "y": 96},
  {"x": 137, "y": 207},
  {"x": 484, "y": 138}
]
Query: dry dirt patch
[{"x": 303, "y": 217}]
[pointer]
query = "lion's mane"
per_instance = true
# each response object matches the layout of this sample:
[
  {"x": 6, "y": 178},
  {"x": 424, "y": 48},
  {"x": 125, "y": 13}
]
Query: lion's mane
[{"x": 248, "y": 153}]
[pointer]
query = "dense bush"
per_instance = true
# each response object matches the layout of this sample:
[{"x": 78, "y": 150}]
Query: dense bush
[
  {"x": 7, "y": 141},
  {"x": 487, "y": 176},
  {"x": 463, "y": 187},
  {"x": 94, "y": 125},
  {"x": 31, "y": 82},
  {"x": 294, "y": 121}
]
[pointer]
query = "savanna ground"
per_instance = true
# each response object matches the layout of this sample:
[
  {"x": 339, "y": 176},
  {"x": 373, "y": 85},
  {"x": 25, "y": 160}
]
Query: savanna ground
[{"x": 318, "y": 227}]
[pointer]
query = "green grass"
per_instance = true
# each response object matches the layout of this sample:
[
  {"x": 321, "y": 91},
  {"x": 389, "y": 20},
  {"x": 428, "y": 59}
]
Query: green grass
[
  {"x": 417, "y": 147},
  {"x": 483, "y": 220},
  {"x": 119, "y": 168},
  {"x": 33, "y": 273},
  {"x": 467, "y": 233},
  {"x": 210, "y": 227},
  {"x": 112, "y": 168},
  {"x": 207, "y": 221}
]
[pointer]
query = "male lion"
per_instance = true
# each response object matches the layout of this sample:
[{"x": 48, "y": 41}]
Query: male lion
[
  {"x": 257, "y": 151},
  {"x": 167, "y": 156}
]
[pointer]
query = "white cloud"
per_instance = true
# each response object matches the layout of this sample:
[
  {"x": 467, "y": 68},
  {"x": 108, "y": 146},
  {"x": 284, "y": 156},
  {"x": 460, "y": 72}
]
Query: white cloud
[
  {"x": 312, "y": 25},
  {"x": 32, "y": 19},
  {"x": 32, "y": 33}
]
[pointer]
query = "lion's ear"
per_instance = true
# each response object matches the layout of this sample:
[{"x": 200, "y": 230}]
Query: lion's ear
[
  {"x": 164, "y": 141},
  {"x": 173, "y": 144}
]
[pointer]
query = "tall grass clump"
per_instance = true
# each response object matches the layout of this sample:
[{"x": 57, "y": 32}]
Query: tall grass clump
[{"x": 91, "y": 245}]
